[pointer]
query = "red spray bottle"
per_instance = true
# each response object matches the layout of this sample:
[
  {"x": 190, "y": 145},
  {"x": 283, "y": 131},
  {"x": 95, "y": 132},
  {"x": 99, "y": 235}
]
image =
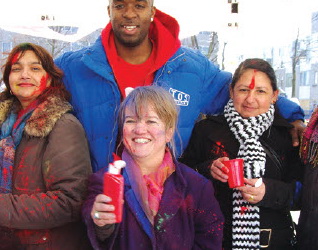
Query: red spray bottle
[{"x": 114, "y": 186}]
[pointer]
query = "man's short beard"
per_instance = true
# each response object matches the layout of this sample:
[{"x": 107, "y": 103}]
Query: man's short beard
[{"x": 129, "y": 43}]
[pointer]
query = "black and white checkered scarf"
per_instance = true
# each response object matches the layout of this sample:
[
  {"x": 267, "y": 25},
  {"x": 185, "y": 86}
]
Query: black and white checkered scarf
[{"x": 246, "y": 218}]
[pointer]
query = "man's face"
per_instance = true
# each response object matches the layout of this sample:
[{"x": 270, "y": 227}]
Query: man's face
[{"x": 131, "y": 20}]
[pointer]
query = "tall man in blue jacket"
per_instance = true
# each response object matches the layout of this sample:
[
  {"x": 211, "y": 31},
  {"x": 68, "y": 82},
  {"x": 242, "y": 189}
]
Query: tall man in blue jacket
[{"x": 140, "y": 46}]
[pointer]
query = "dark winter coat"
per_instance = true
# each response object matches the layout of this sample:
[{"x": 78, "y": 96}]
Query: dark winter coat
[
  {"x": 212, "y": 139},
  {"x": 308, "y": 220},
  {"x": 189, "y": 216},
  {"x": 49, "y": 182}
]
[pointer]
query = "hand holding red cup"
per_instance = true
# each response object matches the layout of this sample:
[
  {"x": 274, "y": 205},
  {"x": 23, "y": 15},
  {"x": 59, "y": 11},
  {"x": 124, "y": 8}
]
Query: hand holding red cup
[{"x": 235, "y": 172}]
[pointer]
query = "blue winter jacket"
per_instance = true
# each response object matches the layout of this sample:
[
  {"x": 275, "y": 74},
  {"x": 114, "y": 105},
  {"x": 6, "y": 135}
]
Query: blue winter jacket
[{"x": 196, "y": 84}]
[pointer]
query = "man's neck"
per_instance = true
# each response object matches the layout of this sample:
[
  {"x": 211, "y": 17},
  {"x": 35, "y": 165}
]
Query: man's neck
[{"x": 135, "y": 55}]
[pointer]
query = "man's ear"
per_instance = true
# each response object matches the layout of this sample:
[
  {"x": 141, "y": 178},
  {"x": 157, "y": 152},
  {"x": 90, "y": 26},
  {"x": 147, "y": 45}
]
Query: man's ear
[{"x": 153, "y": 12}]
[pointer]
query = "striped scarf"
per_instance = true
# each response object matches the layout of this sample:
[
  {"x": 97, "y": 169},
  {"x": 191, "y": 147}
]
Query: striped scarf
[{"x": 246, "y": 218}]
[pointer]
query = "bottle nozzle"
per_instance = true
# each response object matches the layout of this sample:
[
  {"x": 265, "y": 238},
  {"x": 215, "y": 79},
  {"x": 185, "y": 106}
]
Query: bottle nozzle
[{"x": 116, "y": 166}]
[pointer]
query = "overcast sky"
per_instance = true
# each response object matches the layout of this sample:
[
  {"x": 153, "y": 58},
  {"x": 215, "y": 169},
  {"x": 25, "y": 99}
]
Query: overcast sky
[
  {"x": 192, "y": 15},
  {"x": 261, "y": 22}
]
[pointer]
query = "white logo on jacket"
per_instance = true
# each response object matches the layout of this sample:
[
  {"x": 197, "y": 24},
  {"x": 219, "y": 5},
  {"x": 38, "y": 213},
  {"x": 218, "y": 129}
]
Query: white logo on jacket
[{"x": 181, "y": 99}]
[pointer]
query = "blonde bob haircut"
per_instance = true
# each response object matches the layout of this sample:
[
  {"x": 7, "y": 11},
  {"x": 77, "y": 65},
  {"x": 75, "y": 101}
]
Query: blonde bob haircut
[{"x": 161, "y": 101}]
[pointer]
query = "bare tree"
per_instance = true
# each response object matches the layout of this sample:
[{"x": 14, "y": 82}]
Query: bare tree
[
  {"x": 223, "y": 55},
  {"x": 207, "y": 42},
  {"x": 298, "y": 52},
  {"x": 213, "y": 48},
  {"x": 295, "y": 61},
  {"x": 58, "y": 46},
  {"x": 194, "y": 42}
]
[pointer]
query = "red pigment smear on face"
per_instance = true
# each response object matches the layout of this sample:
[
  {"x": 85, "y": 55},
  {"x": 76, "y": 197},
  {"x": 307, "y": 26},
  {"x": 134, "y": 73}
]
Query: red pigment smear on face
[
  {"x": 43, "y": 83},
  {"x": 15, "y": 58},
  {"x": 42, "y": 86},
  {"x": 252, "y": 84}
]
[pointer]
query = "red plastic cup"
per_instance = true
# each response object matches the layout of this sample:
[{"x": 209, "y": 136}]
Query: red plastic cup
[{"x": 236, "y": 174}]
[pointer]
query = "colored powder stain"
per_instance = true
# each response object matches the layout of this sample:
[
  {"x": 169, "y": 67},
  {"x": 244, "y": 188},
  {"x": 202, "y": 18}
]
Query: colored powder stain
[
  {"x": 243, "y": 209},
  {"x": 43, "y": 196},
  {"x": 15, "y": 58},
  {"x": 22, "y": 112},
  {"x": 218, "y": 149},
  {"x": 25, "y": 182},
  {"x": 252, "y": 84},
  {"x": 42, "y": 87},
  {"x": 24, "y": 179},
  {"x": 162, "y": 219},
  {"x": 5, "y": 173},
  {"x": 24, "y": 46},
  {"x": 43, "y": 83}
]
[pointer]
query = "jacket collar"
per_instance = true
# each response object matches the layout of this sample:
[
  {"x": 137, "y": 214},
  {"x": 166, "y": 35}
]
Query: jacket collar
[
  {"x": 136, "y": 208},
  {"x": 43, "y": 118},
  {"x": 95, "y": 59},
  {"x": 171, "y": 201}
]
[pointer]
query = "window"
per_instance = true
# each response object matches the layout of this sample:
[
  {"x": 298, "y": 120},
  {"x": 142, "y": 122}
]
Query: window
[
  {"x": 289, "y": 78},
  {"x": 304, "y": 78},
  {"x": 6, "y": 47},
  {"x": 234, "y": 8}
]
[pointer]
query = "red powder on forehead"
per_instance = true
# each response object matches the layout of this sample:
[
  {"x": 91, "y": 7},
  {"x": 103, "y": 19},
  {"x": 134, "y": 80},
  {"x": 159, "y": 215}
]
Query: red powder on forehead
[
  {"x": 15, "y": 58},
  {"x": 252, "y": 84}
]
